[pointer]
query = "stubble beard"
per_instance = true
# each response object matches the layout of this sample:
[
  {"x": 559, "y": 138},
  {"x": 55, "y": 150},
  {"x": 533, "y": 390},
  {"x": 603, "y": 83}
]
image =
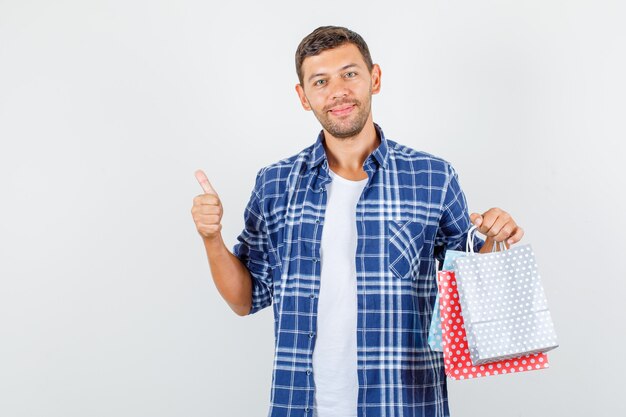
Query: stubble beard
[{"x": 340, "y": 130}]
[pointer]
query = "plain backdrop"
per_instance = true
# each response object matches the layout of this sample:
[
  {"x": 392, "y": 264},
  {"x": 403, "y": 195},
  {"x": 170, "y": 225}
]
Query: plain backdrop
[{"x": 107, "y": 304}]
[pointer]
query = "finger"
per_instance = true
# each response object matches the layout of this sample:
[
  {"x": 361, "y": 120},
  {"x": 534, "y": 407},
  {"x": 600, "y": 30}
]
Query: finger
[
  {"x": 209, "y": 219},
  {"x": 204, "y": 182},
  {"x": 476, "y": 219},
  {"x": 488, "y": 219},
  {"x": 517, "y": 236},
  {"x": 495, "y": 223},
  {"x": 209, "y": 209},
  {"x": 506, "y": 231},
  {"x": 206, "y": 199},
  {"x": 210, "y": 227}
]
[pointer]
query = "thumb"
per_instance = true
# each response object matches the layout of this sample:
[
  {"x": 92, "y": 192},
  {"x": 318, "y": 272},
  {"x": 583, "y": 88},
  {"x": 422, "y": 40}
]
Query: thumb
[
  {"x": 204, "y": 182},
  {"x": 476, "y": 218}
]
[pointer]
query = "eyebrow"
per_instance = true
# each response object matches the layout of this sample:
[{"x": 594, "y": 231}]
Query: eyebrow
[{"x": 319, "y": 74}]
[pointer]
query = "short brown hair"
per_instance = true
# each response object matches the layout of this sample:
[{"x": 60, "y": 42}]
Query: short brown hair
[{"x": 329, "y": 37}]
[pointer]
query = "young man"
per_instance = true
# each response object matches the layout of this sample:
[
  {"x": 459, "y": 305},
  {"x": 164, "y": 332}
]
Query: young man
[{"x": 341, "y": 239}]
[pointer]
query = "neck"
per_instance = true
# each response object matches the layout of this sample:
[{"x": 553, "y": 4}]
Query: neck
[{"x": 348, "y": 154}]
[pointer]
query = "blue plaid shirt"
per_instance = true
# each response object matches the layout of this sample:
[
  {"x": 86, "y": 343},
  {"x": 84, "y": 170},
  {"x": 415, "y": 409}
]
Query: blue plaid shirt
[{"x": 411, "y": 210}]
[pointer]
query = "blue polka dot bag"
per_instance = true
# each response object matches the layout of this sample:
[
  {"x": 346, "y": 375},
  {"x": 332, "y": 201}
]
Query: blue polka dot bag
[{"x": 434, "y": 333}]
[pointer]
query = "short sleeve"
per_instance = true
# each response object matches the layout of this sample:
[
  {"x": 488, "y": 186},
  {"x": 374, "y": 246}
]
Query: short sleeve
[
  {"x": 455, "y": 222},
  {"x": 252, "y": 249}
]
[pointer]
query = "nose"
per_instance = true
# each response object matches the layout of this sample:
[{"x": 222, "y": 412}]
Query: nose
[{"x": 339, "y": 91}]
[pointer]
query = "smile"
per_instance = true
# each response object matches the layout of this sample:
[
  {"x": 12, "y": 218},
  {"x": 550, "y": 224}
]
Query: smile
[{"x": 342, "y": 111}]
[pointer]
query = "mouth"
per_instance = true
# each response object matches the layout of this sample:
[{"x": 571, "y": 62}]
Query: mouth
[{"x": 342, "y": 110}]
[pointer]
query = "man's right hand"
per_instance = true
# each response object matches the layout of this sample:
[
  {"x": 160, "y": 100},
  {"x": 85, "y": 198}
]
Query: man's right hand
[
  {"x": 207, "y": 209},
  {"x": 231, "y": 277}
]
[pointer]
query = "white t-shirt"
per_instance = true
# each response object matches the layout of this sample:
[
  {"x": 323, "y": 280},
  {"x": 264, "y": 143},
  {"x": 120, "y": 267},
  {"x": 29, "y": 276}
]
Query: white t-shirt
[{"x": 335, "y": 353}]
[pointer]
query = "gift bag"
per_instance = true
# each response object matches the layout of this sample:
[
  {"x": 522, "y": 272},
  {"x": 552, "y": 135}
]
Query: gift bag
[
  {"x": 434, "y": 332},
  {"x": 457, "y": 361},
  {"x": 504, "y": 305}
]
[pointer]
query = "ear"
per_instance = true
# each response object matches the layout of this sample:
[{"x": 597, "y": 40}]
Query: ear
[
  {"x": 303, "y": 100},
  {"x": 376, "y": 74}
]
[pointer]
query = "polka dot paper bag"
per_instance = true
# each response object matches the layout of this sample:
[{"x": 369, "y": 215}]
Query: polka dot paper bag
[
  {"x": 504, "y": 306},
  {"x": 457, "y": 361},
  {"x": 434, "y": 332}
]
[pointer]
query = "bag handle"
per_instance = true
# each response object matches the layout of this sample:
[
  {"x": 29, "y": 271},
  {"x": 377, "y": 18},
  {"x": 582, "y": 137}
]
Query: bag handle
[{"x": 469, "y": 242}]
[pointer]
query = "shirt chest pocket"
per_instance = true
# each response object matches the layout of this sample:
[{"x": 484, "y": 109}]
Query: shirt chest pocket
[{"x": 404, "y": 246}]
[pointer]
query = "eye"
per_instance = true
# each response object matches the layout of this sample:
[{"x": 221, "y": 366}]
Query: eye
[
  {"x": 319, "y": 83},
  {"x": 350, "y": 74}
]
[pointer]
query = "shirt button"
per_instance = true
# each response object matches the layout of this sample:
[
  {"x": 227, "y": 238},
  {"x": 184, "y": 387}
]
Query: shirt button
[
  {"x": 306, "y": 410},
  {"x": 311, "y": 335},
  {"x": 312, "y": 295},
  {"x": 321, "y": 189},
  {"x": 317, "y": 220},
  {"x": 314, "y": 259},
  {"x": 308, "y": 372}
]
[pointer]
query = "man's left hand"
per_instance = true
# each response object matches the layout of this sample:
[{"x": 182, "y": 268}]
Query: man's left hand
[{"x": 498, "y": 226}]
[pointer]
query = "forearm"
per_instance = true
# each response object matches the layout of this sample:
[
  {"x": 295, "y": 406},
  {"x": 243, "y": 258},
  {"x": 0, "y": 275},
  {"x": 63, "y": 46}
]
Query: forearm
[
  {"x": 230, "y": 275},
  {"x": 487, "y": 246}
]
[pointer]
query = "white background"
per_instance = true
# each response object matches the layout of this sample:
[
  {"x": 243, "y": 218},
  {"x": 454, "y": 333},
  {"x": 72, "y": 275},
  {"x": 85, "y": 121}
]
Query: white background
[{"x": 107, "y": 305}]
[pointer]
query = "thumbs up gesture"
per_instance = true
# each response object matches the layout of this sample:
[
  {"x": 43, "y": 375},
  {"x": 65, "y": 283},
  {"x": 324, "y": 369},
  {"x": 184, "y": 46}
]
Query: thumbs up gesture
[{"x": 207, "y": 209}]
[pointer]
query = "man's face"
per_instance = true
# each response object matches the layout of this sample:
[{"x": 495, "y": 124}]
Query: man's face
[{"x": 338, "y": 88}]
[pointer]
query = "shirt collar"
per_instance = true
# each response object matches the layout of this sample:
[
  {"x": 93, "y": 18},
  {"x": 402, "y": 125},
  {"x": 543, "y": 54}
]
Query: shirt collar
[{"x": 318, "y": 155}]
